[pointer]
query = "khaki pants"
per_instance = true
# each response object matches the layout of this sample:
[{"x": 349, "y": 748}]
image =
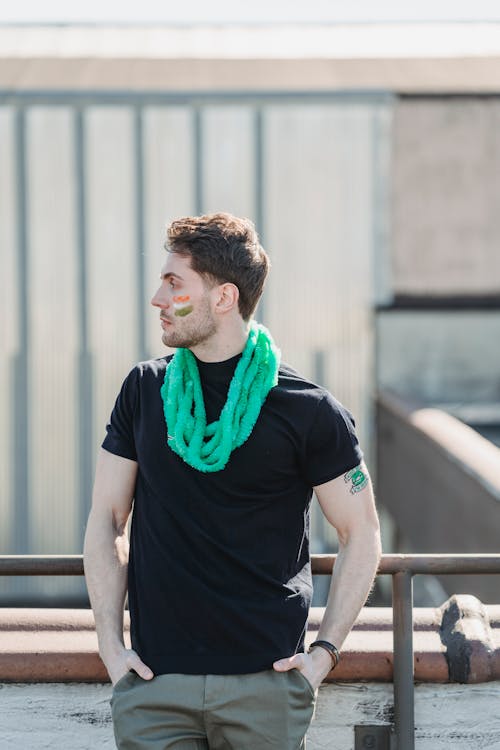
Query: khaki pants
[{"x": 259, "y": 711}]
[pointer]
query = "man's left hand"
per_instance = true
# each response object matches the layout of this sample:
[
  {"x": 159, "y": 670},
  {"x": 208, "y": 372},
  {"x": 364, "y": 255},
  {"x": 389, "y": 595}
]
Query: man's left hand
[{"x": 314, "y": 666}]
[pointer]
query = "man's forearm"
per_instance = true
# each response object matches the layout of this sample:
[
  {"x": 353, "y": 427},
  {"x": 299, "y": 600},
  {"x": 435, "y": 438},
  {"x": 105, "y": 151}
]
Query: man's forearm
[
  {"x": 106, "y": 564},
  {"x": 352, "y": 579}
]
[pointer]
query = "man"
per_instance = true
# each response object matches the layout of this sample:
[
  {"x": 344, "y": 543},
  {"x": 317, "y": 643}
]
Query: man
[{"x": 219, "y": 448}]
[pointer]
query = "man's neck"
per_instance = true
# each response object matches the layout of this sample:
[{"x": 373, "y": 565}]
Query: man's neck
[{"x": 224, "y": 344}]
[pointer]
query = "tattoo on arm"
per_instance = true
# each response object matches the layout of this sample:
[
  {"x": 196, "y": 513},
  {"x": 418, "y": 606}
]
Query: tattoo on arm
[{"x": 358, "y": 478}]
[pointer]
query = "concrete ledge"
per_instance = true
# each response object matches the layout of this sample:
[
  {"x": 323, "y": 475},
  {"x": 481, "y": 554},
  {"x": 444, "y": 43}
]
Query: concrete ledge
[
  {"x": 449, "y": 477},
  {"x": 459, "y": 642},
  {"x": 405, "y": 57},
  {"x": 463, "y": 446},
  {"x": 195, "y": 76}
]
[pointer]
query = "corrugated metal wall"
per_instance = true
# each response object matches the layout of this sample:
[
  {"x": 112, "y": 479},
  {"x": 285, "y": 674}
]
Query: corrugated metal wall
[{"x": 86, "y": 189}]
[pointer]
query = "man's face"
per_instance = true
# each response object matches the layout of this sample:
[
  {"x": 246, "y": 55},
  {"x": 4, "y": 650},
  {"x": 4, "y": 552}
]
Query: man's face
[{"x": 185, "y": 304}]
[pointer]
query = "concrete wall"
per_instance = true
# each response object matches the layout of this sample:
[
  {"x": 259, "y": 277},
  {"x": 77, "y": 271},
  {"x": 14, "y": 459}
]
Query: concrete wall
[
  {"x": 445, "y": 193},
  {"x": 77, "y": 716},
  {"x": 444, "y": 240},
  {"x": 440, "y": 356}
]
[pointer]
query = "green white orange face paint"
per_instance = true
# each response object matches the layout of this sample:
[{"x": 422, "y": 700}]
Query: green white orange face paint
[
  {"x": 182, "y": 305},
  {"x": 358, "y": 479}
]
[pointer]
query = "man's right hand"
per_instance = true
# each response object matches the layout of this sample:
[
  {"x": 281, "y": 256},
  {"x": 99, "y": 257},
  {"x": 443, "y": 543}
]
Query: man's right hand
[{"x": 127, "y": 660}]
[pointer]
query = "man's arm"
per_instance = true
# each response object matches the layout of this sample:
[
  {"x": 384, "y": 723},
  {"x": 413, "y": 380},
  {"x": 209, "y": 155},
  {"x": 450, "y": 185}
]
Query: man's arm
[
  {"x": 350, "y": 507},
  {"x": 106, "y": 550}
]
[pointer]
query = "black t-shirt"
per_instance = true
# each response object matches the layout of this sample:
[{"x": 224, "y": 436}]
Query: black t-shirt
[{"x": 219, "y": 576}]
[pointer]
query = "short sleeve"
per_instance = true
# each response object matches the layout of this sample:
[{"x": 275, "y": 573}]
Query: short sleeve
[
  {"x": 120, "y": 428},
  {"x": 332, "y": 447}
]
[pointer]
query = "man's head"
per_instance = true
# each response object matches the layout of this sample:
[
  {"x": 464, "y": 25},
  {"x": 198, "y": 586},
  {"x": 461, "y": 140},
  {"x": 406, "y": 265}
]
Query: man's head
[
  {"x": 223, "y": 248},
  {"x": 215, "y": 269}
]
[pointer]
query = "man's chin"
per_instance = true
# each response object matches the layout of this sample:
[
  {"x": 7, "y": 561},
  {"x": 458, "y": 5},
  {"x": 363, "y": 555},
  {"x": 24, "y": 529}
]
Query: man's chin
[
  {"x": 173, "y": 341},
  {"x": 168, "y": 340}
]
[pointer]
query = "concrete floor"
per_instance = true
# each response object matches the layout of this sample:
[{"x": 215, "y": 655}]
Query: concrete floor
[{"x": 447, "y": 717}]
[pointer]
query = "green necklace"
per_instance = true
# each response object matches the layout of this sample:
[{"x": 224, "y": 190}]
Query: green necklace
[{"x": 207, "y": 447}]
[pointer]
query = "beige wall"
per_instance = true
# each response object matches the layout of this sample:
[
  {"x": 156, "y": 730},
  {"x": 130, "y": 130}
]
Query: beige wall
[
  {"x": 446, "y": 197},
  {"x": 444, "y": 243}
]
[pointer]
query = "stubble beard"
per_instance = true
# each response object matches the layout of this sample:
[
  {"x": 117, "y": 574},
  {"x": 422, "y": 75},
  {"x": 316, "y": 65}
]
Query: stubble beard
[{"x": 195, "y": 329}]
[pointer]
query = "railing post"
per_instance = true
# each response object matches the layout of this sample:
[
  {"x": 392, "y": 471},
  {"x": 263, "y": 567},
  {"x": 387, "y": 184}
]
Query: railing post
[{"x": 402, "y": 608}]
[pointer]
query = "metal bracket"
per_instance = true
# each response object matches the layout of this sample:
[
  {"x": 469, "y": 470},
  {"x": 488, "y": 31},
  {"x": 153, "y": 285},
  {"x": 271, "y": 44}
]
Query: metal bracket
[{"x": 372, "y": 737}]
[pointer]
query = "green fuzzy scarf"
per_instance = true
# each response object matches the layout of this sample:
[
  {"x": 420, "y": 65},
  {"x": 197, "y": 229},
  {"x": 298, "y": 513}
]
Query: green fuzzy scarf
[{"x": 207, "y": 447}]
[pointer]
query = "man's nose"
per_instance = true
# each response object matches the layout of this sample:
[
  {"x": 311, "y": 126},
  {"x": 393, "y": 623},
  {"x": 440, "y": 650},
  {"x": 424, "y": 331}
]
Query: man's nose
[{"x": 159, "y": 299}]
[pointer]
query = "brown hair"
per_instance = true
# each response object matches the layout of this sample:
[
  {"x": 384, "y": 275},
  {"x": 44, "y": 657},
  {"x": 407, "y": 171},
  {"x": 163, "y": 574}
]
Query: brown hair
[{"x": 223, "y": 248}]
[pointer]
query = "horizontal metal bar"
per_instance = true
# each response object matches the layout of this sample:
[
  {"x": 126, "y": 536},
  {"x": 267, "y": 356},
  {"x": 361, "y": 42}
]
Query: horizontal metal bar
[
  {"x": 97, "y": 97},
  {"x": 421, "y": 564},
  {"x": 39, "y": 565},
  {"x": 402, "y": 567}
]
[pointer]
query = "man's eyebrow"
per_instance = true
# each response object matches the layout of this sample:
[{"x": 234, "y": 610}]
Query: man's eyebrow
[{"x": 169, "y": 274}]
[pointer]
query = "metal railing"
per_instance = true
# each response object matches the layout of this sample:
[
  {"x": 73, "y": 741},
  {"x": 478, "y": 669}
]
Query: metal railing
[{"x": 402, "y": 568}]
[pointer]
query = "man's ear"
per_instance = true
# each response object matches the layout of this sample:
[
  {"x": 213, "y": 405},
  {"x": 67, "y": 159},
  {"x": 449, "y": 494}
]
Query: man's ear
[{"x": 227, "y": 297}]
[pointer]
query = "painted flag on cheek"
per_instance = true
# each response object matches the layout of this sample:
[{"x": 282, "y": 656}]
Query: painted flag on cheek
[{"x": 182, "y": 305}]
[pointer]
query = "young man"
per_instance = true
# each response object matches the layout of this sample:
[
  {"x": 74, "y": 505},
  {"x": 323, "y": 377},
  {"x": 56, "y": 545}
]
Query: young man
[{"x": 219, "y": 448}]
